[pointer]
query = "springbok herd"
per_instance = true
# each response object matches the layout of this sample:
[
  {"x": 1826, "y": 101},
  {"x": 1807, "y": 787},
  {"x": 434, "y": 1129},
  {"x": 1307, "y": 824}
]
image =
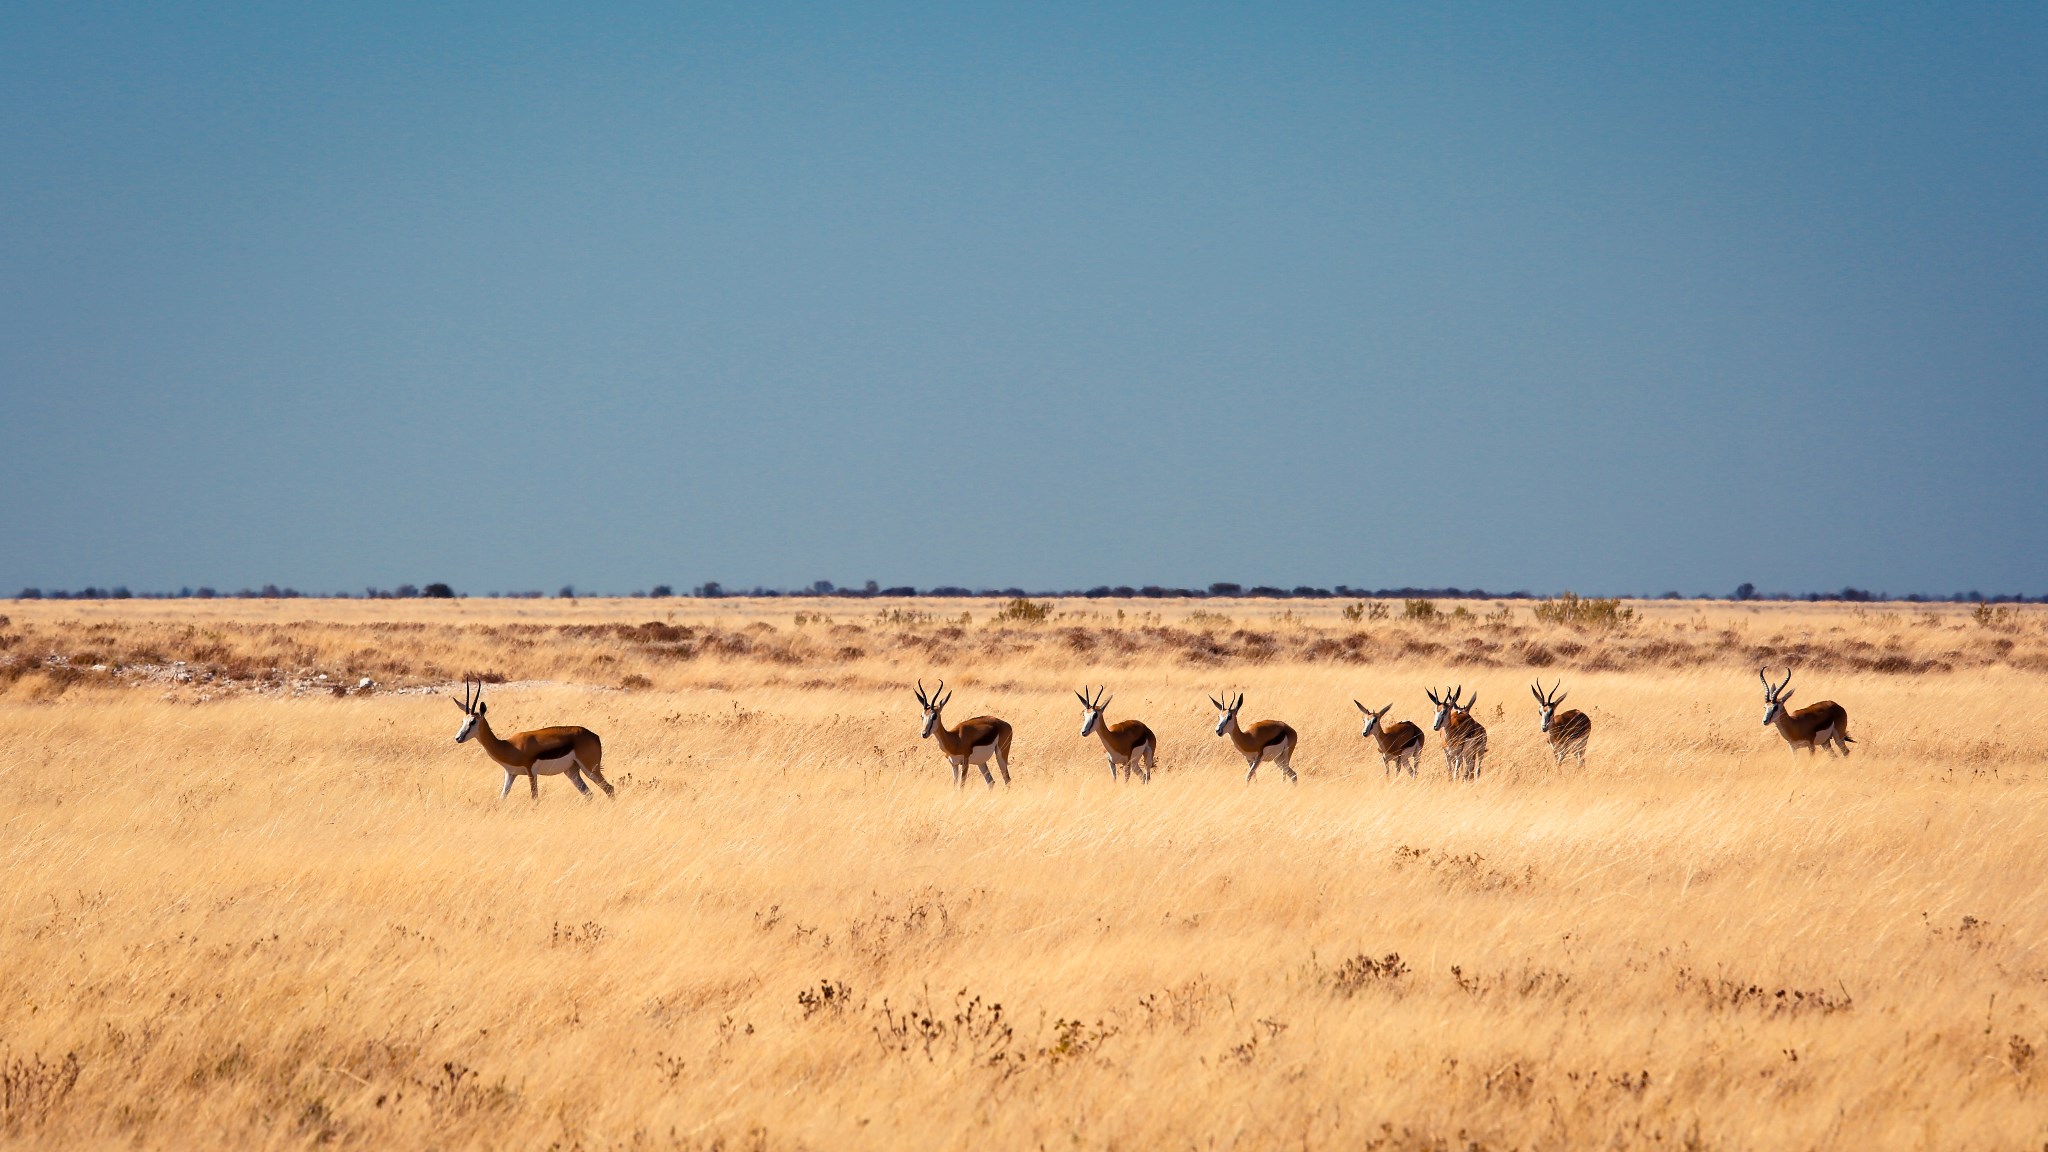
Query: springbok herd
[{"x": 1131, "y": 748}]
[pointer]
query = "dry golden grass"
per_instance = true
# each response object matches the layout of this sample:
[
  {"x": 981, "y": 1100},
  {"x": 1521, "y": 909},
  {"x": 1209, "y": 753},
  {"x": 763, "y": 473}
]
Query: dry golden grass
[{"x": 238, "y": 916}]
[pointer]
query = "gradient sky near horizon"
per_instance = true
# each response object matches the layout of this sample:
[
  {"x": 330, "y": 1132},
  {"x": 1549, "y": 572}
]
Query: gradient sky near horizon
[{"x": 1616, "y": 298}]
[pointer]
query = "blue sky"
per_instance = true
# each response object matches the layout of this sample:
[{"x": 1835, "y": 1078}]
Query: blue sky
[{"x": 1611, "y": 298}]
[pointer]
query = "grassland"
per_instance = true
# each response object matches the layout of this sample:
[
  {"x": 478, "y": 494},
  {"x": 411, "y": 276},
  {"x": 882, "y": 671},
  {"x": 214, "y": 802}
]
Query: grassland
[{"x": 250, "y": 903}]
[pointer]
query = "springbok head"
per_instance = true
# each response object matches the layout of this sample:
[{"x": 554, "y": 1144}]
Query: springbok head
[
  {"x": 1226, "y": 710},
  {"x": 472, "y": 705},
  {"x": 1548, "y": 701},
  {"x": 931, "y": 703},
  {"x": 1372, "y": 718},
  {"x": 1774, "y": 698},
  {"x": 1091, "y": 710},
  {"x": 1448, "y": 705}
]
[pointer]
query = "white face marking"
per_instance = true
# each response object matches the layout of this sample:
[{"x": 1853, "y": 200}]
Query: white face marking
[
  {"x": 1443, "y": 712},
  {"x": 468, "y": 729},
  {"x": 1548, "y": 711},
  {"x": 1223, "y": 722},
  {"x": 1088, "y": 721},
  {"x": 931, "y": 717},
  {"x": 1770, "y": 713}
]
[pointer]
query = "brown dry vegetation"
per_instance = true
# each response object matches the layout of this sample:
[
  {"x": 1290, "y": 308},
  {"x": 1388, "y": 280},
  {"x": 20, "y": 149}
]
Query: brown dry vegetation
[{"x": 241, "y": 909}]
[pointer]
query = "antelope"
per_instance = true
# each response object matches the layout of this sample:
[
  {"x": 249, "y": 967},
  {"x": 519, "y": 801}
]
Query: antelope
[
  {"x": 1568, "y": 733},
  {"x": 1822, "y": 725},
  {"x": 1401, "y": 742},
  {"x": 973, "y": 742},
  {"x": 1125, "y": 743},
  {"x": 1265, "y": 740},
  {"x": 1464, "y": 737},
  {"x": 562, "y": 751}
]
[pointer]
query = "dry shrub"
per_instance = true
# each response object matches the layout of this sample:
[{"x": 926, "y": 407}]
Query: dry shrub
[
  {"x": 34, "y": 1087},
  {"x": 1021, "y": 611},
  {"x": 1574, "y": 611},
  {"x": 1362, "y": 971}
]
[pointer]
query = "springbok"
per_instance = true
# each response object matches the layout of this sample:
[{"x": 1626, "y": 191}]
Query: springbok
[
  {"x": 562, "y": 751},
  {"x": 1464, "y": 737},
  {"x": 974, "y": 742},
  {"x": 1400, "y": 742},
  {"x": 1265, "y": 740},
  {"x": 1568, "y": 732},
  {"x": 1126, "y": 743},
  {"x": 1822, "y": 725}
]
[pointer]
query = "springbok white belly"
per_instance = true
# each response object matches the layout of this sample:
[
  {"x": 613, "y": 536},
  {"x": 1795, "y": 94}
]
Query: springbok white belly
[
  {"x": 555, "y": 767},
  {"x": 982, "y": 754}
]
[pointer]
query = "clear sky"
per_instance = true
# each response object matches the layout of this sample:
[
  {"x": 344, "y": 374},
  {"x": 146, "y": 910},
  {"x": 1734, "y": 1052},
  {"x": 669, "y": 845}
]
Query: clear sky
[{"x": 1617, "y": 298}]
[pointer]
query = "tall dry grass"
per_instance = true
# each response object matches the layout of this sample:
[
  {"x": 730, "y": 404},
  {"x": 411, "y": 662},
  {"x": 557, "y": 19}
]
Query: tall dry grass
[{"x": 238, "y": 916}]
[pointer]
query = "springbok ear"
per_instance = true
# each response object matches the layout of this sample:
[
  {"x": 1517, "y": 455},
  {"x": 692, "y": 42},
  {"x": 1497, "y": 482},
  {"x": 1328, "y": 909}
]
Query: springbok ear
[
  {"x": 459, "y": 706},
  {"x": 1784, "y": 696},
  {"x": 480, "y": 707},
  {"x": 1363, "y": 708}
]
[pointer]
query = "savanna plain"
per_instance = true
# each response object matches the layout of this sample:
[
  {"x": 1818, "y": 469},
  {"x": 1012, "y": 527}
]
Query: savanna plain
[{"x": 249, "y": 900}]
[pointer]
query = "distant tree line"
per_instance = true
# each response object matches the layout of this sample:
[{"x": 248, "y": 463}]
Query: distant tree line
[{"x": 712, "y": 590}]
